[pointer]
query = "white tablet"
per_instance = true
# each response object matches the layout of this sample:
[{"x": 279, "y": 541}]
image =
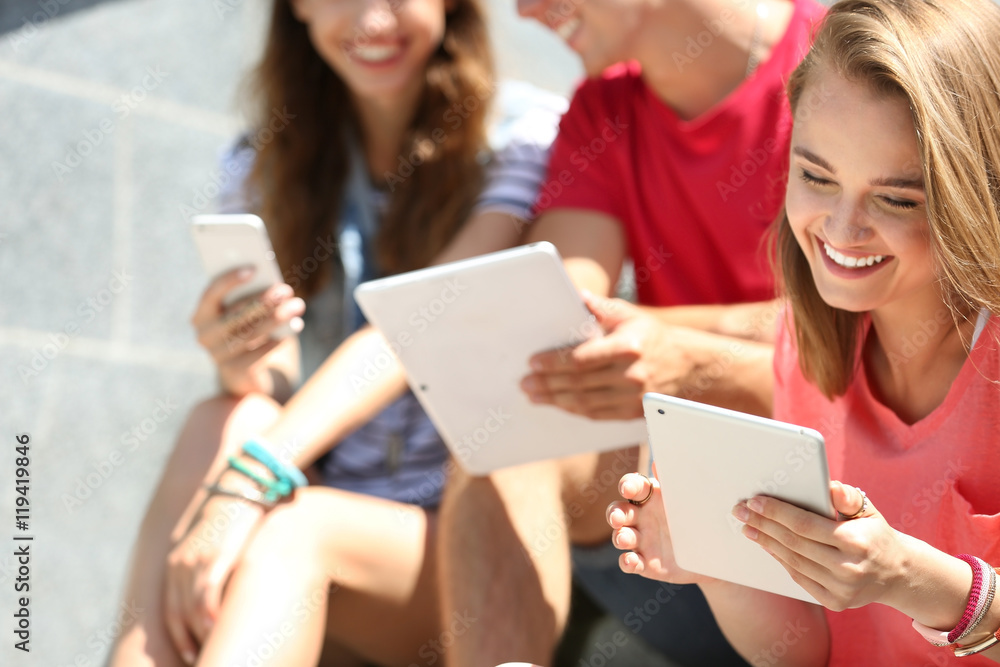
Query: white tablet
[
  {"x": 464, "y": 332},
  {"x": 707, "y": 460}
]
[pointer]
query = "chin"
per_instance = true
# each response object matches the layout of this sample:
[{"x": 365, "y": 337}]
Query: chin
[
  {"x": 594, "y": 65},
  {"x": 845, "y": 302}
]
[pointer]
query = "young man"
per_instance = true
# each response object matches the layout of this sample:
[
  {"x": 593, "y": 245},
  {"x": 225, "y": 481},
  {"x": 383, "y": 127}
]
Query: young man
[{"x": 673, "y": 155}]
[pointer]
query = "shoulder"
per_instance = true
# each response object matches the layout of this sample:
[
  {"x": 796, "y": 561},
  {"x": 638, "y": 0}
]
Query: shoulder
[
  {"x": 616, "y": 87},
  {"x": 524, "y": 114},
  {"x": 810, "y": 10},
  {"x": 807, "y": 16}
]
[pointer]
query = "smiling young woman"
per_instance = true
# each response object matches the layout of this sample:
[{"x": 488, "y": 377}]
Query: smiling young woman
[{"x": 888, "y": 250}]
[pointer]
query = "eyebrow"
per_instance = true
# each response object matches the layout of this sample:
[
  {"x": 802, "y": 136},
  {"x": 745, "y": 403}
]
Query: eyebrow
[{"x": 884, "y": 181}]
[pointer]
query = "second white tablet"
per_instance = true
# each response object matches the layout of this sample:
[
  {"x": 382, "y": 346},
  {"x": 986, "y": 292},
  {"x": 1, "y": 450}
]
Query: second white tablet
[{"x": 464, "y": 332}]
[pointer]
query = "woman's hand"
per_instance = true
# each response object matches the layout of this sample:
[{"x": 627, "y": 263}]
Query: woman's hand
[
  {"x": 843, "y": 564},
  {"x": 200, "y": 564},
  {"x": 238, "y": 336},
  {"x": 641, "y": 531}
]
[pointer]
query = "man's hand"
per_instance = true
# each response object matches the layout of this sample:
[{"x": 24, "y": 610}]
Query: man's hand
[{"x": 605, "y": 378}]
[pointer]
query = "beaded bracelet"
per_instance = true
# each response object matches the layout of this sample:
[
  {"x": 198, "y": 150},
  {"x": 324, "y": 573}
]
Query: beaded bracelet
[
  {"x": 985, "y": 602},
  {"x": 256, "y": 450},
  {"x": 984, "y": 579},
  {"x": 274, "y": 489},
  {"x": 976, "y": 597}
]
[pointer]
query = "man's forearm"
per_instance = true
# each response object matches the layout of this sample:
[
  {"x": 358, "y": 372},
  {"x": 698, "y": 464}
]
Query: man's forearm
[
  {"x": 751, "y": 321},
  {"x": 732, "y": 373}
]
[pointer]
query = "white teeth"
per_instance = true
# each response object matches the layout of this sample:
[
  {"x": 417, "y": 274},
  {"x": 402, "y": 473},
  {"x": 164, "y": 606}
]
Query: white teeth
[
  {"x": 566, "y": 30},
  {"x": 375, "y": 54},
  {"x": 851, "y": 262}
]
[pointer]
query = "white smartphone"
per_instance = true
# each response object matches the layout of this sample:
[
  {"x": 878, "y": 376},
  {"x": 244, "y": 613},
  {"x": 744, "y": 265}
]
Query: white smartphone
[{"x": 227, "y": 242}]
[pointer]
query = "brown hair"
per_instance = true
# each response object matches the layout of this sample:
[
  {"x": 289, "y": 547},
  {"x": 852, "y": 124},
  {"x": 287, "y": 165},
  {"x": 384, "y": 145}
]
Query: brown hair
[
  {"x": 937, "y": 55},
  {"x": 299, "y": 176}
]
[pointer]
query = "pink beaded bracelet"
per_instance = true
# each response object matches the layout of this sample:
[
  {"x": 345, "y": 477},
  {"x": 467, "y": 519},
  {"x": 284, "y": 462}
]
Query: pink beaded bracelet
[
  {"x": 977, "y": 595},
  {"x": 984, "y": 580}
]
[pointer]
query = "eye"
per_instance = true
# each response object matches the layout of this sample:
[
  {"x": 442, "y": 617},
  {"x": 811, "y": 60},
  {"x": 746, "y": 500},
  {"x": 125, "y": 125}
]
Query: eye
[
  {"x": 903, "y": 204},
  {"x": 812, "y": 178}
]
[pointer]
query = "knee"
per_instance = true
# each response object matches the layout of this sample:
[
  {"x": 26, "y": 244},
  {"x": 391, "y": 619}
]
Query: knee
[{"x": 286, "y": 534}]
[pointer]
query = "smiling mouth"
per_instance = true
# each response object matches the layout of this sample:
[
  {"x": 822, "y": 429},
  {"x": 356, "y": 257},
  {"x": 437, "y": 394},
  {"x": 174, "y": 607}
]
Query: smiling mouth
[
  {"x": 566, "y": 30},
  {"x": 376, "y": 54},
  {"x": 851, "y": 262}
]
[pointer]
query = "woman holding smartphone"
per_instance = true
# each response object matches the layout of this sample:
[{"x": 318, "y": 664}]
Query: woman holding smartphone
[
  {"x": 888, "y": 247},
  {"x": 383, "y": 166}
]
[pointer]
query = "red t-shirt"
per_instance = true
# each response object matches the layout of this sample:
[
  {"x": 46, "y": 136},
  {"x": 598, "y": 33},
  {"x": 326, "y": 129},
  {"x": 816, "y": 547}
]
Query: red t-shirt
[
  {"x": 935, "y": 480},
  {"x": 694, "y": 197}
]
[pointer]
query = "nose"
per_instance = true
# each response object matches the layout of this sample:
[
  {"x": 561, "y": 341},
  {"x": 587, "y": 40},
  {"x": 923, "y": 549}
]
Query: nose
[
  {"x": 377, "y": 18},
  {"x": 847, "y": 225},
  {"x": 532, "y": 9}
]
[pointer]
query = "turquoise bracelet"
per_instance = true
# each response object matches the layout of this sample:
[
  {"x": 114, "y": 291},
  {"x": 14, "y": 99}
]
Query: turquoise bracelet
[
  {"x": 274, "y": 489},
  {"x": 256, "y": 450}
]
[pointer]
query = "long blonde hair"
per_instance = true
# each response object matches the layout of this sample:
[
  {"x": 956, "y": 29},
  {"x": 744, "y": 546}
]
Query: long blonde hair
[
  {"x": 299, "y": 175},
  {"x": 942, "y": 56}
]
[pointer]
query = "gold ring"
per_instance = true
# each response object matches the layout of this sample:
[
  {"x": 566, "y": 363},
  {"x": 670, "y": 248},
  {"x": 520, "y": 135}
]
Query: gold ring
[
  {"x": 864, "y": 506},
  {"x": 648, "y": 495}
]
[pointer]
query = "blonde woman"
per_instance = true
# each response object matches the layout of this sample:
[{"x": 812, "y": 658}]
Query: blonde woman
[{"x": 888, "y": 247}]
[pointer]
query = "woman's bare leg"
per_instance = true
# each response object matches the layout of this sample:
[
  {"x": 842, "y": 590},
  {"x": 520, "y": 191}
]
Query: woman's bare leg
[
  {"x": 214, "y": 429},
  {"x": 357, "y": 569}
]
